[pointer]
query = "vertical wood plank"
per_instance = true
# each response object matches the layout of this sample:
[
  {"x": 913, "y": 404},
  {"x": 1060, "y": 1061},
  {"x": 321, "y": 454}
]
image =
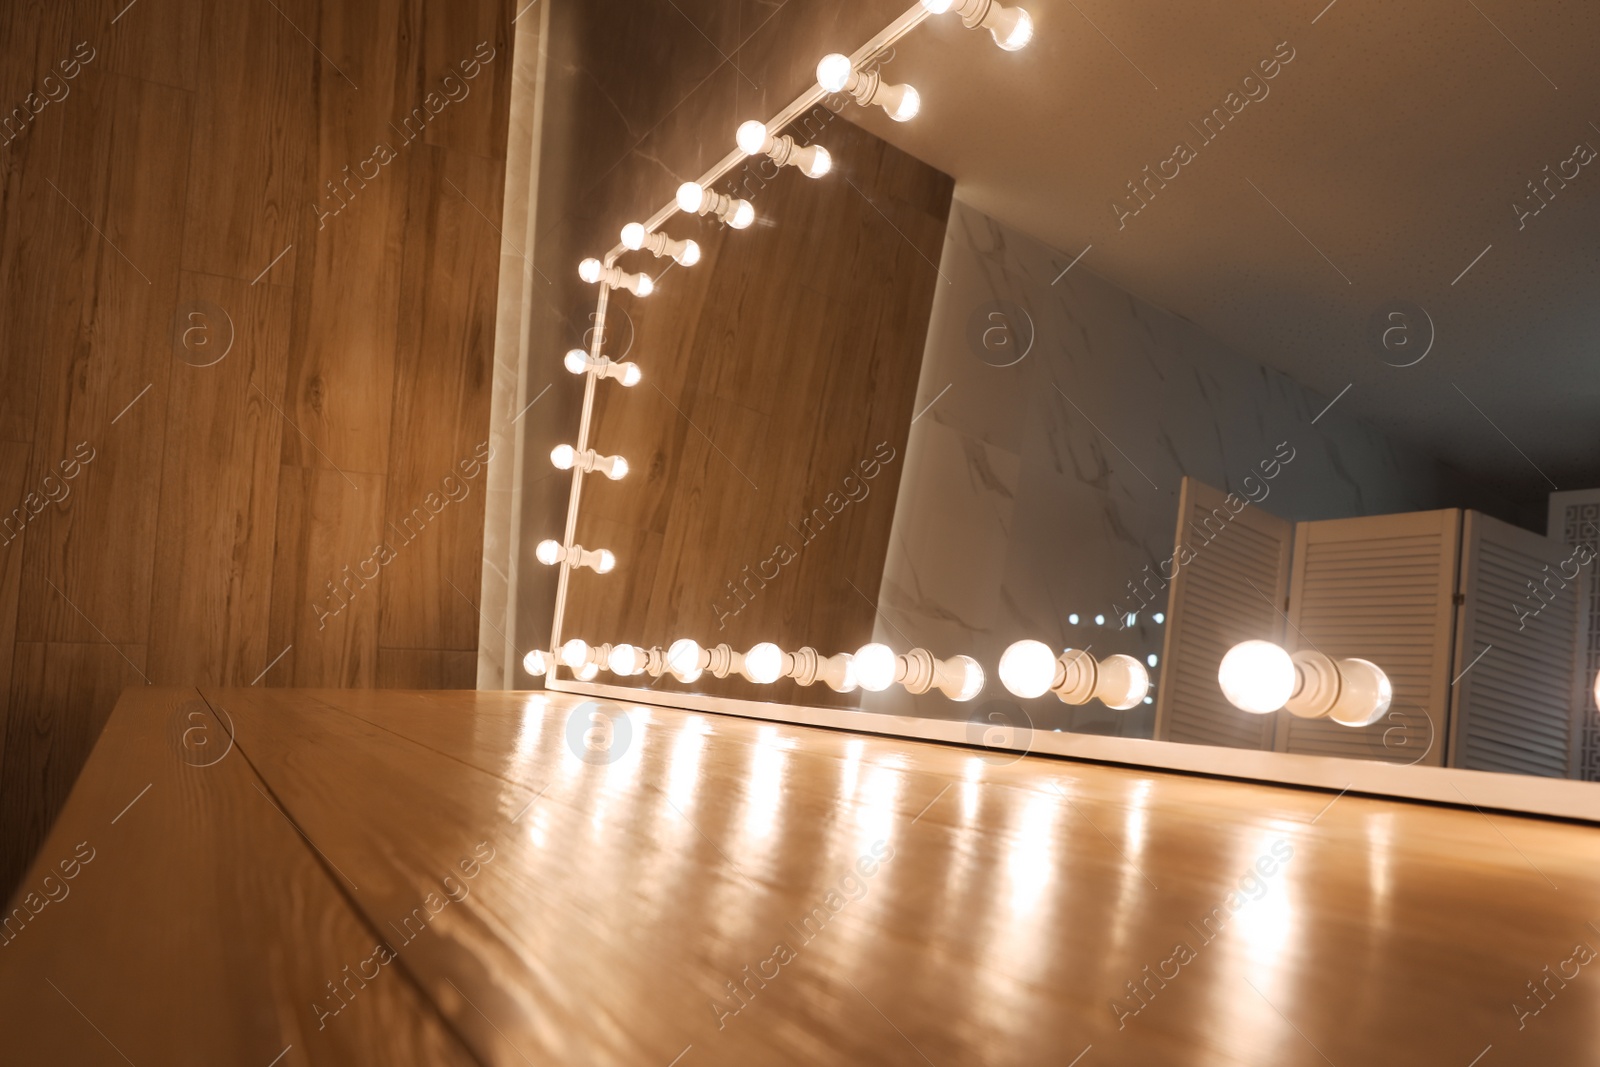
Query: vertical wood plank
[
  {"x": 436, "y": 486},
  {"x": 105, "y": 371},
  {"x": 214, "y": 547}
]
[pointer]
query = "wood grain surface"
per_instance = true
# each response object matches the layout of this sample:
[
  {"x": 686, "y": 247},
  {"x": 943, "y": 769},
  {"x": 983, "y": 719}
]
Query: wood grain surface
[
  {"x": 690, "y": 889},
  {"x": 270, "y": 345}
]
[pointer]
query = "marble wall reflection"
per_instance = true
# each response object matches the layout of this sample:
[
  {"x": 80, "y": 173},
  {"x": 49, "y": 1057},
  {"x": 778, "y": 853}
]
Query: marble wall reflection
[{"x": 1057, "y": 415}]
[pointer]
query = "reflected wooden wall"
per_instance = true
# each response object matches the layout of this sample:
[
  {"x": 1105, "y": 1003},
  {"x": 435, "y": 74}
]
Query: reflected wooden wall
[
  {"x": 639, "y": 98},
  {"x": 169, "y": 207},
  {"x": 768, "y": 436}
]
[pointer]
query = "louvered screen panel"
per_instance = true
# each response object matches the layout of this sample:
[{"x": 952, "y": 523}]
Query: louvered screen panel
[
  {"x": 1512, "y": 699},
  {"x": 1380, "y": 588},
  {"x": 1575, "y": 520},
  {"x": 1230, "y": 591}
]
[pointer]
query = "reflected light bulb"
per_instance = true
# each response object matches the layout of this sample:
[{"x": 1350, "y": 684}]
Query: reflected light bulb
[
  {"x": 752, "y": 138},
  {"x": 833, "y": 73},
  {"x": 625, "y": 660},
  {"x": 690, "y": 196},
  {"x": 586, "y": 673},
  {"x": 690, "y": 254},
  {"x": 577, "y": 360},
  {"x": 972, "y": 679},
  {"x": 589, "y": 270},
  {"x": 1027, "y": 669},
  {"x": 575, "y": 653},
  {"x": 902, "y": 102},
  {"x": 1257, "y": 676},
  {"x": 619, "y": 470},
  {"x": 821, "y": 163},
  {"x": 743, "y": 215},
  {"x": 563, "y": 456},
  {"x": 764, "y": 663},
  {"x": 536, "y": 663},
  {"x": 1012, "y": 27},
  {"x": 633, "y": 236},
  {"x": 606, "y": 563},
  {"x": 1123, "y": 682},
  {"x": 1159, "y": 617},
  {"x": 645, "y": 286},
  {"x": 683, "y": 660},
  {"x": 548, "y": 552},
  {"x": 875, "y": 665},
  {"x": 631, "y": 375}
]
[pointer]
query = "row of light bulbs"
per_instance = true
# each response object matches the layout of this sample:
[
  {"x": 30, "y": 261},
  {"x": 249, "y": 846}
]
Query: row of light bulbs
[
  {"x": 1256, "y": 676},
  {"x": 1028, "y": 669},
  {"x": 1012, "y": 28}
]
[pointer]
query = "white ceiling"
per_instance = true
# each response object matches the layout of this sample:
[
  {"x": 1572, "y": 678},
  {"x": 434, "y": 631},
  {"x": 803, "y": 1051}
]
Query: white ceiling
[{"x": 1391, "y": 148}]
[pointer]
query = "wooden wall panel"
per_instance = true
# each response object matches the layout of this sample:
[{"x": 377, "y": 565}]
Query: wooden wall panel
[{"x": 187, "y": 170}]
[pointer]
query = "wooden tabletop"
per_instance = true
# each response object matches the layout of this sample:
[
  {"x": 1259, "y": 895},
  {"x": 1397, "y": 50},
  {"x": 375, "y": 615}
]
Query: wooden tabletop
[{"x": 278, "y": 877}]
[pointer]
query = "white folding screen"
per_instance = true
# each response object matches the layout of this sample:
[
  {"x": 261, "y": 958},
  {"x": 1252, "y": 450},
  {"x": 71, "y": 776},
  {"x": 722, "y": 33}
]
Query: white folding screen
[
  {"x": 1381, "y": 588},
  {"x": 1574, "y": 522},
  {"x": 1231, "y": 577},
  {"x": 1515, "y": 649}
]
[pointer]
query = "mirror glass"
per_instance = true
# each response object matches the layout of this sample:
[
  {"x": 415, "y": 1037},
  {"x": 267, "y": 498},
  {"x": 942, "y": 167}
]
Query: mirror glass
[{"x": 1140, "y": 355}]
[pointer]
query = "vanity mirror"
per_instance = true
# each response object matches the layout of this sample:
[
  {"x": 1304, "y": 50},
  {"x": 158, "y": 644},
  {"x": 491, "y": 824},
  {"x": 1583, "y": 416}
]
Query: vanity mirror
[{"x": 1047, "y": 390}]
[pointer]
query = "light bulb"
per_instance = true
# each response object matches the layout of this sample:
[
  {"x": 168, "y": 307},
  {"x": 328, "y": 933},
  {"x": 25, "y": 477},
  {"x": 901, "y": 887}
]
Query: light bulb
[
  {"x": 971, "y": 678},
  {"x": 1151, "y": 659},
  {"x": 764, "y": 663},
  {"x": 690, "y": 196},
  {"x": 843, "y": 680},
  {"x": 619, "y": 470},
  {"x": 644, "y": 286},
  {"x": 536, "y": 663},
  {"x": 563, "y": 456},
  {"x": 577, "y": 360},
  {"x": 683, "y": 660},
  {"x": 1257, "y": 676},
  {"x": 689, "y": 255},
  {"x": 575, "y": 653},
  {"x": 631, "y": 374},
  {"x": 902, "y": 102},
  {"x": 1159, "y": 617},
  {"x": 1012, "y": 27},
  {"x": 633, "y": 236},
  {"x": 743, "y": 215},
  {"x": 625, "y": 660},
  {"x": 819, "y": 163},
  {"x": 587, "y": 672},
  {"x": 606, "y": 563},
  {"x": 1099, "y": 620},
  {"x": 1073, "y": 618},
  {"x": 548, "y": 552},
  {"x": 1027, "y": 669},
  {"x": 1364, "y": 694},
  {"x": 937, "y": 7},
  {"x": 875, "y": 666},
  {"x": 589, "y": 270},
  {"x": 752, "y": 138},
  {"x": 833, "y": 73},
  {"x": 1122, "y": 682}
]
